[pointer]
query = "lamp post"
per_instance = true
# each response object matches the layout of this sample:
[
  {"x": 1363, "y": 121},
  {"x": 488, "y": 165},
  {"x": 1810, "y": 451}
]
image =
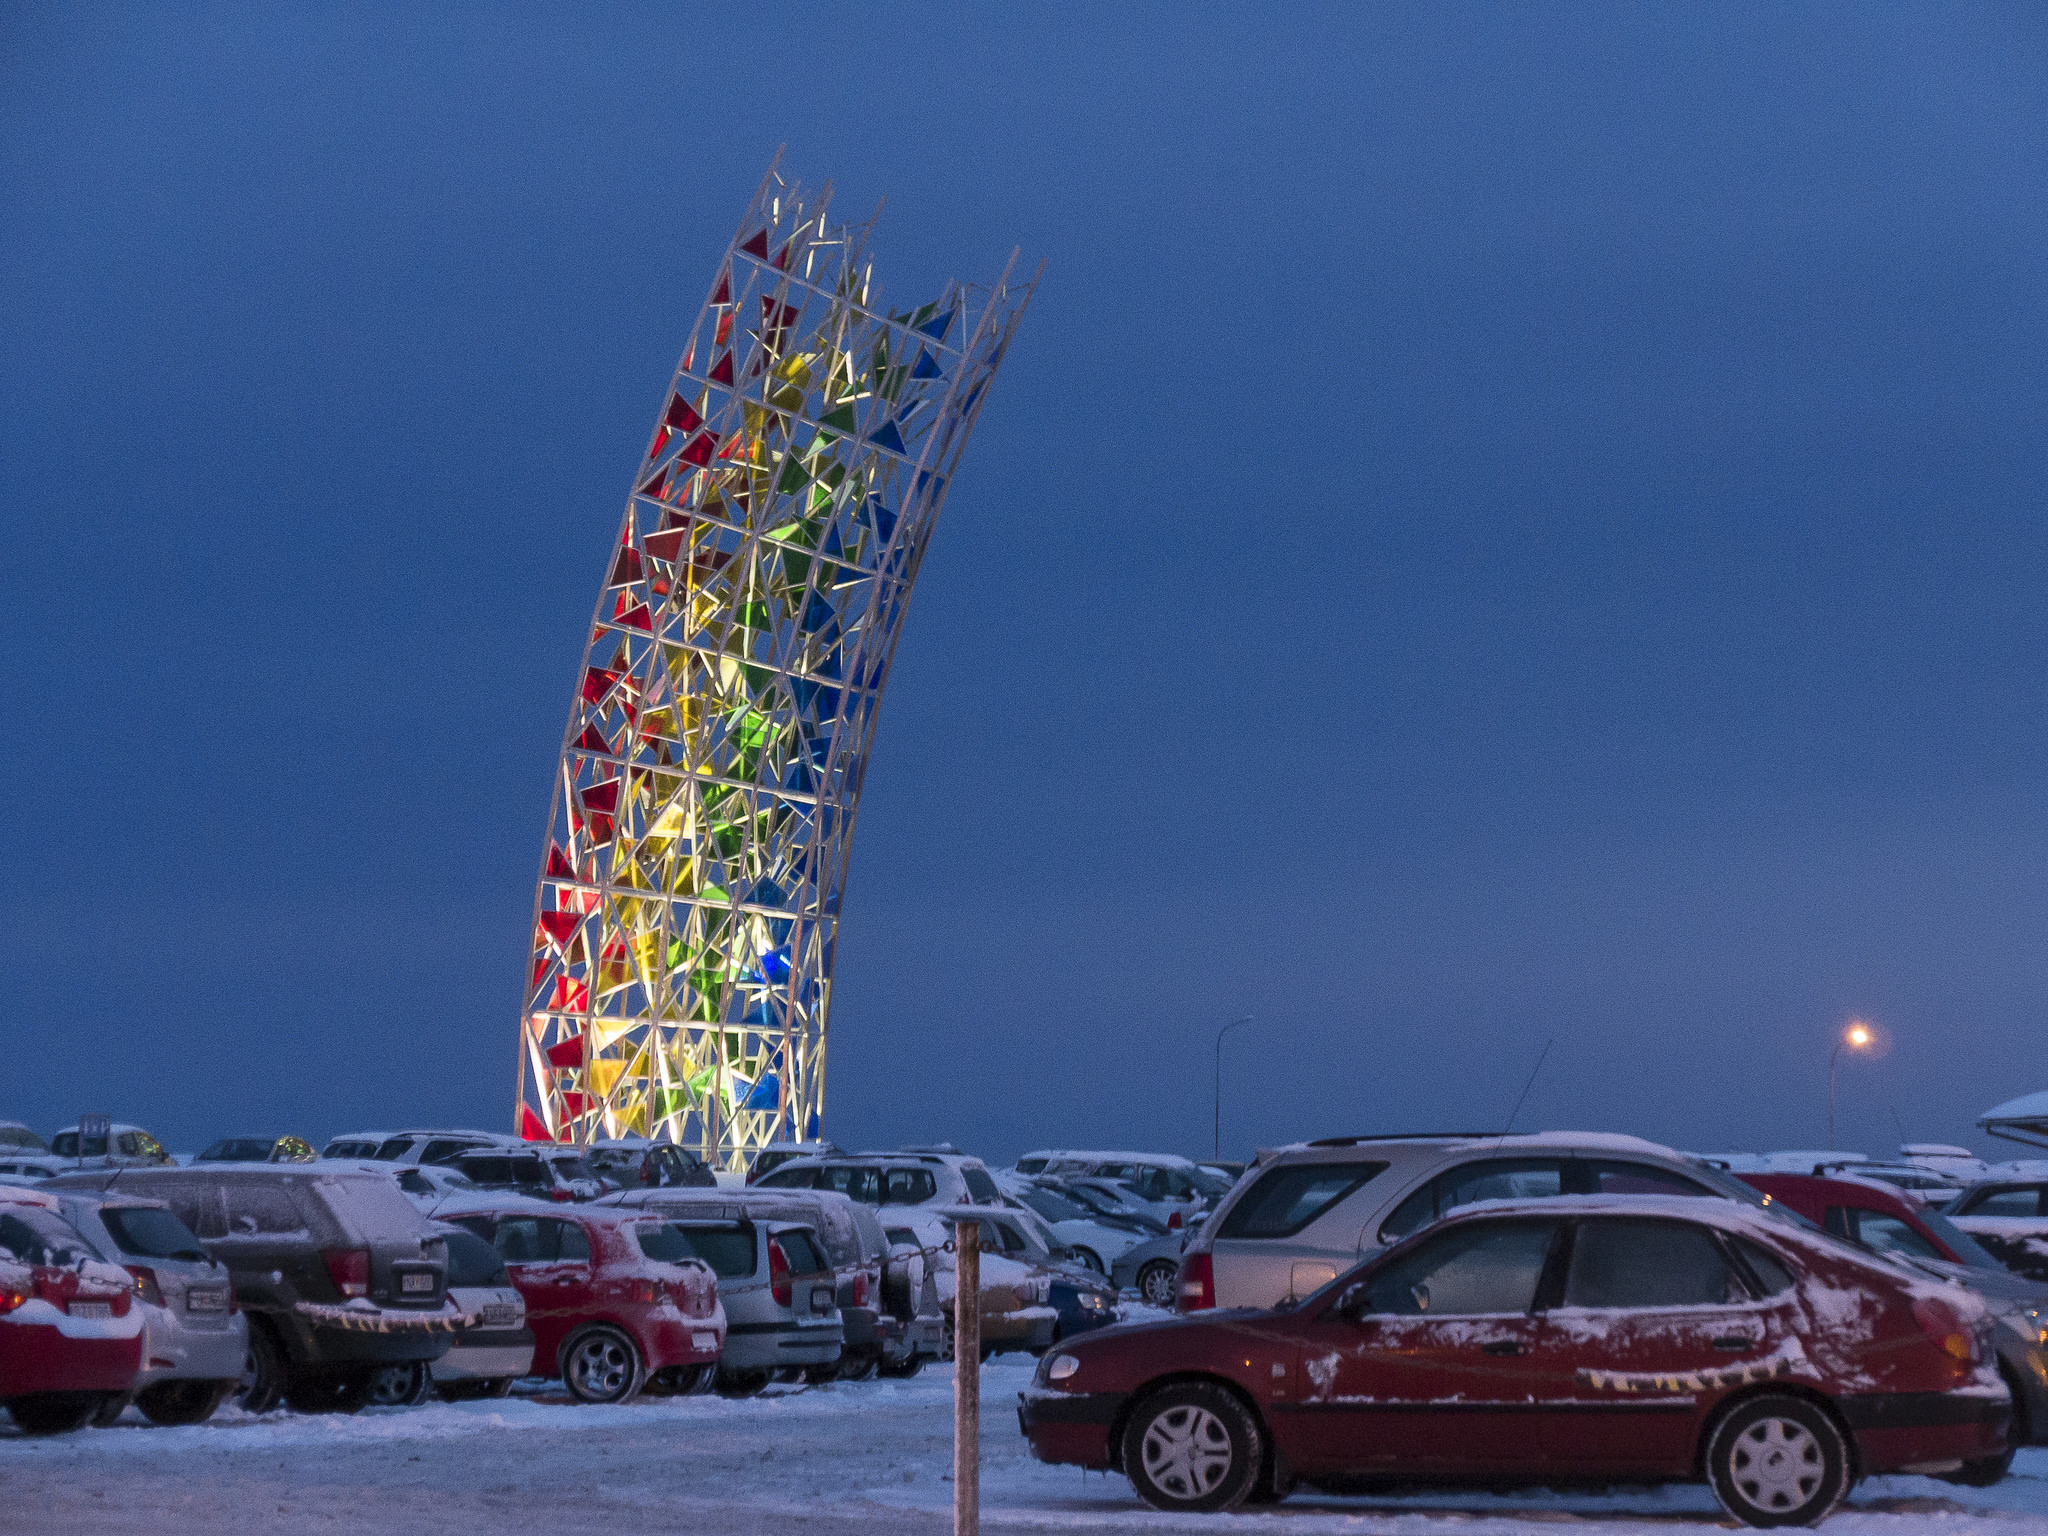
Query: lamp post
[
  {"x": 1217, "y": 1149},
  {"x": 1857, "y": 1038}
]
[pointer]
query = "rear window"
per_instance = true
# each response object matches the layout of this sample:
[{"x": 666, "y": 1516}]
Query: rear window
[
  {"x": 1964, "y": 1246},
  {"x": 791, "y": 1178},
  {"x": 980, "y": 1186},
  {"x": 37, "y": 1236},
  {"x": 909, "y": 1186},
  {"x": 572, "y": 1168},
  {"x": 528, "y": 1170},
  {"x": 263, "y": 1210},
  {"x": 1282, "y": 1201},
  {"x": 472, "y": 1261},
  {"x": 366, "y": 1150},
  {"x": 862, "y": 1184},
  {"x": 392, "y": 1150},
  {"x": 487, "y": 1170},
  {"x": 372, "y": 1209},
  {"x": 663, "y": 1242},
  {"x": 728, "y": 1248},
  {"x": 147, "y": 1232},
  {"x": 442, "y": 1149},
  {"x": 237, "y": 1151},
  {"x": 802, "y": 1253},
  {"x": 2023, "y": 1202}
]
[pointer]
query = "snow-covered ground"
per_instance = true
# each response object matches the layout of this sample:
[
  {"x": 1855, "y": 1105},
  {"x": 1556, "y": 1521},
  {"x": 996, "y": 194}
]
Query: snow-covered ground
[{"x": 872, "y": 1458}]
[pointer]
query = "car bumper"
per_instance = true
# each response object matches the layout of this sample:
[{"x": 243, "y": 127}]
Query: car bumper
[
  {"x": 1069, "y": 1428},
  {"x": 1901, "y": 1431},
  {"x": 36, "y": 1357},
  {"x": 176, "y": 1351},
  {"x": 682, "y": 1341},
  {"x": 771, "y": 1346},
  {"x": 484, "y": 1356},
  {"x": 331, "y": 1335}
]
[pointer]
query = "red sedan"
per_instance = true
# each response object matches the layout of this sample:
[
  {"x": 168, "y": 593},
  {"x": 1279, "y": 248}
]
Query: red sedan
[
  {"x": 616, "y": 1300},
  {"x": 1597, "y": 1339},
  {"x": 70, "y": 1335}
]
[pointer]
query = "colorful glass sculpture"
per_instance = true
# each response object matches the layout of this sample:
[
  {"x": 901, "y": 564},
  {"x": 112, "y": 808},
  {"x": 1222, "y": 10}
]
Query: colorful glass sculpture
[{"x": 689, "y": 896}]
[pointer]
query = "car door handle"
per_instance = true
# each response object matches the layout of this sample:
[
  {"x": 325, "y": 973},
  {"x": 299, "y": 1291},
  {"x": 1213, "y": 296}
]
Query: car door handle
[
  {"x": 1500, "y": 1347},
  {"x": 1736, "y": 1341}
]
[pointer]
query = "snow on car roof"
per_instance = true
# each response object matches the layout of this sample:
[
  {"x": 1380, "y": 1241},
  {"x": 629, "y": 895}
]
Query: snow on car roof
[
  {"x": 1156, "y": 1159},
  {"x": 2028, "y": 1106}
]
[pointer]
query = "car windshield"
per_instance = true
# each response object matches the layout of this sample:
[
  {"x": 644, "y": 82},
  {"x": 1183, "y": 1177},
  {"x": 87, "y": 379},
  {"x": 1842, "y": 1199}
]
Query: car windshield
[
  {"x": 728, "y": 1247},
  {"x": 244, "y": 1149},
  {"x": 1054, "y": 1207},
  {"x": 150, "y": 1232},
  {"x": 1959, "y": 1242},
  {"x": 36, "y": 1236}
]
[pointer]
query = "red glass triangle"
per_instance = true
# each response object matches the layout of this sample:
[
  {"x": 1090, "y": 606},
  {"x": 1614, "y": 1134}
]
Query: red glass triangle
[
  {"x": 758, "y": 246},
  {"x": 721, "y": 371},
  {"x": 682, "y": 417}
]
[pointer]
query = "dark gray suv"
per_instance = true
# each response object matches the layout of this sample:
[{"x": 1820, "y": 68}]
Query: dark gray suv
[{"x": 337, "y": 1272}]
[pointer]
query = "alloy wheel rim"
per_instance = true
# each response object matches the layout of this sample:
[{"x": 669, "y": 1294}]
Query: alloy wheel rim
[
  {"x": 1158, "y": 1287},
  {"x": 1187, "y": 1451},
  {"x": 392, "y": 1387},
  {"x": 1776, "y": 1464},
  {"x": 602, "y": 1367}
]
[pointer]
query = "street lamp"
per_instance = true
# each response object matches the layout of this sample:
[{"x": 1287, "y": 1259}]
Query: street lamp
[
  {"x": 1217, "y": 1150},
  {"x": 1856, "y": 1037}
]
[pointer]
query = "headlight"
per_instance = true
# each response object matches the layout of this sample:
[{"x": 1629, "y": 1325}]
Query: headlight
[
  {"x": 1094, "y": 1301},
  {"x": 1061, "y": 1368}
]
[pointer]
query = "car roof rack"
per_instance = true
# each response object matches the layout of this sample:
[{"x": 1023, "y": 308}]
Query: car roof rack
[{"x": 1354, "y": 1141}]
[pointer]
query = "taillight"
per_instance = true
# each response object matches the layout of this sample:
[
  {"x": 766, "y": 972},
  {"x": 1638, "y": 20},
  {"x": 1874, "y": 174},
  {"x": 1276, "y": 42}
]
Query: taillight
[
  {"x": 10, "y": 1298},
  {"x": 1175, "y": 1222},
  {"x": 778, "y": 1274},
  {"x": 1939, "y": 1321},
  {"x": 645, "y": 1291},
  {"x": 349, "y": 1268},
  {"x": 1197, "y": 1284},
  {"x": 860, "y": 1289},
  {"x": 646, "y": 1171},
  {"x": 146, "y": 1286},
  {"x": 561, "y": 1194}
]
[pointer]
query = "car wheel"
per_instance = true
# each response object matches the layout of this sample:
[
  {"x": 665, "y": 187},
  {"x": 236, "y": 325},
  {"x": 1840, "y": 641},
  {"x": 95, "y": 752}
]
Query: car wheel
[
  {"x": 601, "y": 1365},
  {"x": 1193, "y": 1447},
  {"x": 1092, "y": 1259},
  {"x": 400, "y": 1386},
  {"x": 740, "y": 1383},
  {"x": 263, "y": 1372},
  {"x": 1981, "y": 1472},
  {"x": 676, "y": 1381},
  {"x": 331, "y": 1391},
  {"x": 53, "y": 1413},
  {"x": 1778, "y": 1461},
  {"x": 172, "y": 1403},
  {"x": 110, "y": 1410},
  {"x": 821, "y": 1375},
  {"x": 902, "y": 1370},
  {"x": 1158, "y": 1281}
]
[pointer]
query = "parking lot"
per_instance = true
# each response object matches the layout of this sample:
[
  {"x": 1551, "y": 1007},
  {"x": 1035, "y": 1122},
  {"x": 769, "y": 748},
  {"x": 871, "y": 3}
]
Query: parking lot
[{"x": 849, "y": 1457}]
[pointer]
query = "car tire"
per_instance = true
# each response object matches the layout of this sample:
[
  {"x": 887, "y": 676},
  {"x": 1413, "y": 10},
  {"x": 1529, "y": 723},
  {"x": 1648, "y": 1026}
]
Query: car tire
[
  {"x": 473, "y": 1390},
  {"x": 1092, "y": 1259},
  {"x": 1158, "y": 1282},
  {"x": 112, "y": 1409},
  {"x": 175, "y": 1403},
  {"x": 739, "y": 1383},
  {"x": 821, "y": 1375},
  {"x": 53, "y": 1413},
  {"x": 400, "y": 1386},
  {"x": 331, "y": 1391},
  {"x": 601, "y": 1365},
  {"x": 263, "y": 1372},
  {"x": 1980, "y": 1472},
  {"x": 1193, "y": 1448},
  {"x": 902, "y": 1370},
  {"x": 1778, "y": 1460},
  {"x": 677, "y": 1381}
]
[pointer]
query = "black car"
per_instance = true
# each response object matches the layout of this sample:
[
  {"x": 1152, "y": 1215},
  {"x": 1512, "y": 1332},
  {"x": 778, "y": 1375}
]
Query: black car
[
  {"x": 631, "y": 1165},
  {"x": 338, "y": 1272},
  {"x": 543, "y": 1175}
]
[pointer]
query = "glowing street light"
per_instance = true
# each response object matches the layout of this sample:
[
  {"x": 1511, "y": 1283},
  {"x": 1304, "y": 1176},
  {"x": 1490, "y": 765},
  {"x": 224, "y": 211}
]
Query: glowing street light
[{"x": 1857, "y": 1037}]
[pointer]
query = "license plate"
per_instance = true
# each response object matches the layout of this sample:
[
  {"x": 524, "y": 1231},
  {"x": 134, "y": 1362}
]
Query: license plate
[
  {"x": 412, "y": 1283},
  {"x": 823, "y": 1299},
  {"x": 500, "y": 1314},
  {"x": 703, "y": 1342},
  {"x": 91, "y": 1309},
  {"x": 206, "y": 1301}
]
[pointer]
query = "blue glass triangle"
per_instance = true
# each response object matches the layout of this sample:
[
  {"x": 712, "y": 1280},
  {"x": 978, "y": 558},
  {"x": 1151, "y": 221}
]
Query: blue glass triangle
[
  {"x": 926, "y": 368},
  {"x": 936, "y": 329},
  {"x": 888, "y": 437}
]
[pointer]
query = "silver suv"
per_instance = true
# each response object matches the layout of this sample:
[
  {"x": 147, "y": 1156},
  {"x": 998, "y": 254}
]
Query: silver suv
[{"x": 1308, "y": 1211}]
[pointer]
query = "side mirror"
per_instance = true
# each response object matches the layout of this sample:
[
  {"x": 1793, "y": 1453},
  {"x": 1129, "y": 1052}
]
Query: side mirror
[{"x": 245, "y": 1225}]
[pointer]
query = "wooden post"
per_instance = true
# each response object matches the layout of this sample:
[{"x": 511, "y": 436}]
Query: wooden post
[{"x": 967, "y": 1378}]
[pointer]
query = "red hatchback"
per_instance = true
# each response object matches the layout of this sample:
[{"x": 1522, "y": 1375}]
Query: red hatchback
[
  {"x": 1596, "y": 1339},
  {"x": 616, "y": 1300},
  {"x": 70, "y": 1336}
]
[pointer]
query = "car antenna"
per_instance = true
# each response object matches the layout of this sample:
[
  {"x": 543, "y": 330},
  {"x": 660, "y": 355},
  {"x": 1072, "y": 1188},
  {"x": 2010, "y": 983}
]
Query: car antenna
[{"x": 1528, "y": 1085}]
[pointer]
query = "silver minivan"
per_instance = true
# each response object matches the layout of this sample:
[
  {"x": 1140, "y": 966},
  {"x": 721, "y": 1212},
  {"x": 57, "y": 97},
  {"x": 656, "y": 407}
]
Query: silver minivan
[
  {"x": 194, "y": 1341},
  {"x": 1302, "y": 1214}
]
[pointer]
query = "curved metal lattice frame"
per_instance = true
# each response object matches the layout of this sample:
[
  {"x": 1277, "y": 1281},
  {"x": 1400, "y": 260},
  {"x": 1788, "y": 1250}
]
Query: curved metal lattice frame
[{"x": 703, "y": 810}]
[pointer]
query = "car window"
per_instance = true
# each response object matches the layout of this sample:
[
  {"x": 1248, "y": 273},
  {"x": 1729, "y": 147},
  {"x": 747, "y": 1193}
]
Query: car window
[
  {"x": 528, "y": 1240},
  {"x": 482, "y": 1226},
  {"x": 391, "y": 1151},
  {"x": 1960, "y": 1243},
  {"x": 488, "y": 1170},
  {"x": 472, "y": 1261},
  {"x": 1284, "y": 1200},
  {"x": 528, "y": 1170},
  {"x": 903, "y": 1236},
  {"x": 728, "y": 1247},
  {"x": 1888, "y": 1234},
  {"x": 1053, "y": 1207},
  {"x": 1480, "y": 1268},
  {"x": 1625, "y": 1263},
  {"x": 230, "y": 1150},
  {"x": 1500, "y": 1178},
  {"x": 147, "y": 1232},
  {"x": 663, "y": 1242},
  {"x": 792, "y": 1178},
  {"x": 197, "y": 1205},
  {"x": 37, "y": 1236},
  {"x": 2021, "y": 1202},
  {"x": 573, "y": 1245},
  {"x": 571, "y": 1168},
  {"x": 862, "y": 1184},
  {"x": 1767, "y": 1267},
  {"x": 261, "y": 1210},
  {"x": 802, "y": 1253},
  {"x": 1001, "y": 1237},
  {"x": 1641, "y": 1179},
  {"x": 909, "y": 1186},
  {"x": 443, "y": 1148},
  {"x": 1030, "y": 1165},
  {"x": 980, "y": 1186}
]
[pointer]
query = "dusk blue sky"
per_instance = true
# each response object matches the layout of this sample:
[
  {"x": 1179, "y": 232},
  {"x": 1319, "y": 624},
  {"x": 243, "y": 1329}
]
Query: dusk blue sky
[{"x": 1502, "y": 522}]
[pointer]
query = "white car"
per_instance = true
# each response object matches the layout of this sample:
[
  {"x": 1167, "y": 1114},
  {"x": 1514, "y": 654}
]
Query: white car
[
  {"x": 410, "y": 1148},
  {"x": 493, "y": 1349},
  {"x": 1096, "y": 1240}
]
